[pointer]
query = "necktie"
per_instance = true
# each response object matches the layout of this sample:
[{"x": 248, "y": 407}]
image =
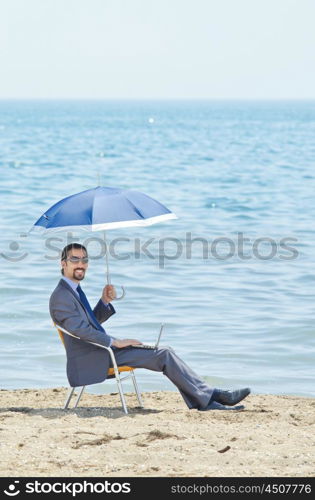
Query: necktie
[{"x": 88, "y": 308}]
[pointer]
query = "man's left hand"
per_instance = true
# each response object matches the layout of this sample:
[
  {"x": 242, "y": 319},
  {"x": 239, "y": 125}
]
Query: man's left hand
[{"x": 109, "y": 293}]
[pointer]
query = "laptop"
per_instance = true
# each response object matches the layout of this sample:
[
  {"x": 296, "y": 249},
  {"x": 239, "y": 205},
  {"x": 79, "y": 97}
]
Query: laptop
[{"x": 150, "y": 346}]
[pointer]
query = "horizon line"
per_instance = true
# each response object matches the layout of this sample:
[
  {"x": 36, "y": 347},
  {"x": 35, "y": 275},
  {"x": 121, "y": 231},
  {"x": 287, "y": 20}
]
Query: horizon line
[{"x": 146, "y": 99}]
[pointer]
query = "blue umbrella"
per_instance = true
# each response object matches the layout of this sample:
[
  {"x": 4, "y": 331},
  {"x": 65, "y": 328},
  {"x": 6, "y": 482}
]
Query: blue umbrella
[{"x": 103, "y": 208}]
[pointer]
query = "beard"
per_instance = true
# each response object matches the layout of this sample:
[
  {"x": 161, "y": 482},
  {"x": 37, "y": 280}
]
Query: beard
[{"x": 79, "y": 274}]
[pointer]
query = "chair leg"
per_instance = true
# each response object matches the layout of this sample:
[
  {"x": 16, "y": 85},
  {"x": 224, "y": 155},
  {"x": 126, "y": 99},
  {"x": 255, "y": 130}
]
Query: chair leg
[
  {"x": 79, "y": 396},
  {"x": 121, "y": 394},
  {"x": 68, "y": 398},
  {"x": 137, "y": 389}
]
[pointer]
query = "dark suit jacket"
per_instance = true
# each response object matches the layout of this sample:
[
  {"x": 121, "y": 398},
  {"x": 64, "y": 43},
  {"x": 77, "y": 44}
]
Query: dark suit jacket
[{"x": 86, "y": 364}]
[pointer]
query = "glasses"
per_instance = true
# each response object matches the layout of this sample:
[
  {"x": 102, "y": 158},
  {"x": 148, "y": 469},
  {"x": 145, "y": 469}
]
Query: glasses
[{"x": 75, "y": 260}]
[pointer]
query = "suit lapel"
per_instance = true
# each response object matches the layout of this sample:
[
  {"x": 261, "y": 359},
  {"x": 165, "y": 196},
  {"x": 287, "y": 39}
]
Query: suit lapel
[{"x": 68, "y": 287}]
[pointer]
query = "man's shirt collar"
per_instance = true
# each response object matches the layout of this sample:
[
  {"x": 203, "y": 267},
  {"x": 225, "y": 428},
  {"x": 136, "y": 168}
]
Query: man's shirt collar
[{"x": 71, "y": 283}]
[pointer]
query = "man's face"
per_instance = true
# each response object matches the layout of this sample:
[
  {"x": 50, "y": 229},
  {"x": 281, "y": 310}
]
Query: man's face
[{"x": 75, "y": 271}]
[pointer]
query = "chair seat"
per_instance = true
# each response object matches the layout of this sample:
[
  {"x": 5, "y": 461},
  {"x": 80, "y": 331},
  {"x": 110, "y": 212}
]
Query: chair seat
[{"x": 111, "y": 371}]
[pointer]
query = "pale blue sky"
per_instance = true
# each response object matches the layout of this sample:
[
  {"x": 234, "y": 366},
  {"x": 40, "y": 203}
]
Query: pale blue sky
[{"x": 142, "y": 49}]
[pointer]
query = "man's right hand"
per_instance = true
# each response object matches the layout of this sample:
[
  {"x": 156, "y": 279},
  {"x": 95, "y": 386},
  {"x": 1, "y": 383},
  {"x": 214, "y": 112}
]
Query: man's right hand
[{"x": 125, "y": 342}]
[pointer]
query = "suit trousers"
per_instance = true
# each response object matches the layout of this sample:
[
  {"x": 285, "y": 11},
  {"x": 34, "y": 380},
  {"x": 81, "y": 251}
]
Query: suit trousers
[{"x": 194, "y": 391}]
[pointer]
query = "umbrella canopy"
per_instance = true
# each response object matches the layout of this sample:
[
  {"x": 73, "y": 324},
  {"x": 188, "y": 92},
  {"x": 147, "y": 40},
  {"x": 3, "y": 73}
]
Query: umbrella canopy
[{"x": 103, "y": 208}]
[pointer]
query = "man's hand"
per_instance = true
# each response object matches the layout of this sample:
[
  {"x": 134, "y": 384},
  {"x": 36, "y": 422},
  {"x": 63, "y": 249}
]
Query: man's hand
[
  {"x": 109, "y": 294},
  {"x": 125, "y": 342}
]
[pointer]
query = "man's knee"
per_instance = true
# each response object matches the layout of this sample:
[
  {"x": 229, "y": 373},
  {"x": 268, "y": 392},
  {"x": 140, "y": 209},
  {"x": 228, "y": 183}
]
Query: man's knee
[
  {"x": 166, "y": 356},
  {"x": 166, "y": 350}
]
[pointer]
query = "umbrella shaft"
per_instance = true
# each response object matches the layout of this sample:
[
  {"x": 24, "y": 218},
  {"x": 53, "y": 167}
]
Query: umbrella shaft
[{"x": 106, "y": 259}]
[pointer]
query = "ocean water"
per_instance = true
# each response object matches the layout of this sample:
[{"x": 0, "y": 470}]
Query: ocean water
[{"x": 233, "y": 278}]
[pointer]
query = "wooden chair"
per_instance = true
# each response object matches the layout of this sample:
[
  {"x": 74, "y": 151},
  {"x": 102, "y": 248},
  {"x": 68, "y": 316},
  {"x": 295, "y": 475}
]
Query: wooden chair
[{"x": 114, "y": 372}]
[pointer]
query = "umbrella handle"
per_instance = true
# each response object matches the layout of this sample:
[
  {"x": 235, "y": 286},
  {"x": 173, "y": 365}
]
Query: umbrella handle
[{"x": 122, "y": 295}]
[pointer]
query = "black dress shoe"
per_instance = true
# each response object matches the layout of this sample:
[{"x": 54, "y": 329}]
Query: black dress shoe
[
  {"x": 217, "y": 406},
  {"x": 230, "y": 398}
]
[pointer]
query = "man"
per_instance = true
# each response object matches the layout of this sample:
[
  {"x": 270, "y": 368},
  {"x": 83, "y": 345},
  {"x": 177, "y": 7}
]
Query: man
[{"x": 88, "y": 364}]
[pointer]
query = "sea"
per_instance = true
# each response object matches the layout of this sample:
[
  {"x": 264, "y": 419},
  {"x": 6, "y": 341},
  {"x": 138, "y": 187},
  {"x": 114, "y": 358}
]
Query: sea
[{"x": 232, "y": 278}]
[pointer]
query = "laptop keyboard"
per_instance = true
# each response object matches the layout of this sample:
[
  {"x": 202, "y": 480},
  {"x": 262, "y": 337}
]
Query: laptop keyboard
[{"x": 143, "y": 346}]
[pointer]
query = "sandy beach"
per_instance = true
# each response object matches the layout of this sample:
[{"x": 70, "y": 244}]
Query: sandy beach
[{"x": 273, "y": 436}]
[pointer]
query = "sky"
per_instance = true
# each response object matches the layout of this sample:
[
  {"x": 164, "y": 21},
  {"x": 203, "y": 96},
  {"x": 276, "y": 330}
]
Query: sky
[{"x": 157, "y": 49}]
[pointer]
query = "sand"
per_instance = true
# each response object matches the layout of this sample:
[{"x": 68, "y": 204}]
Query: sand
[{"x": 274, "y": 436}]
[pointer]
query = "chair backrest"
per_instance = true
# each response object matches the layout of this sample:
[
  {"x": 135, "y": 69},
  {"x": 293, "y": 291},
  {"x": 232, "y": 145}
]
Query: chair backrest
[{"x": 61, "y": 335}]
